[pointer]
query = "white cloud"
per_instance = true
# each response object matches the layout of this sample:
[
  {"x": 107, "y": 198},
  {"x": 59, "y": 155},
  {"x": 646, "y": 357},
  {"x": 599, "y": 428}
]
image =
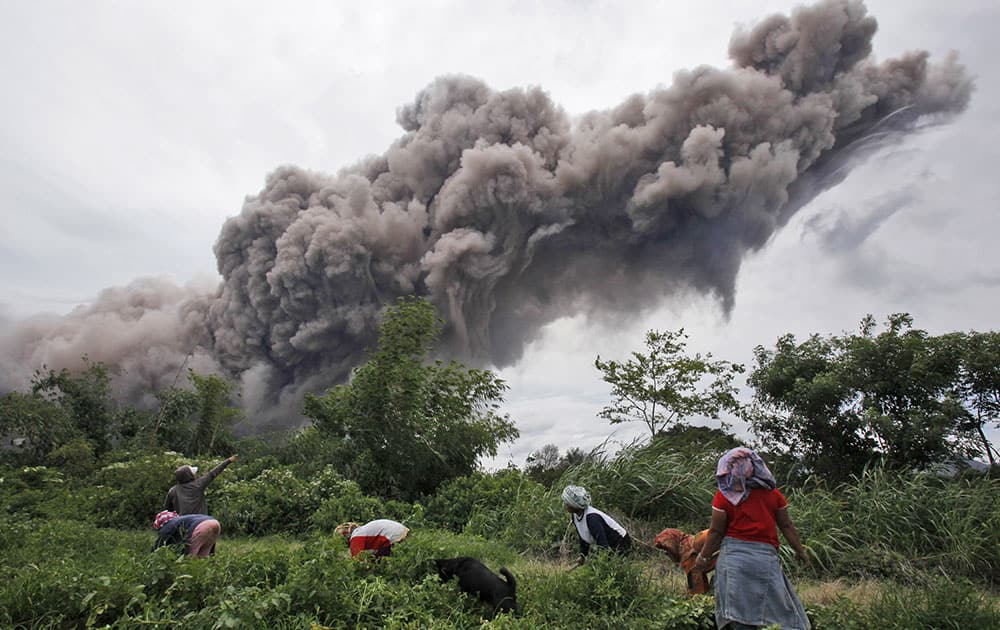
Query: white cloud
[{"x": 132, "y": 131}]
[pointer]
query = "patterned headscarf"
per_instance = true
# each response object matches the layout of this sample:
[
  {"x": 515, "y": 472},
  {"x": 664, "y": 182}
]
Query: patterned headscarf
[
  {"x": 741, "y": 469},
  {"x": 162, "y": 518},
  {"x": 576, "y": 497},
  {"x": 345, "y": 529}
]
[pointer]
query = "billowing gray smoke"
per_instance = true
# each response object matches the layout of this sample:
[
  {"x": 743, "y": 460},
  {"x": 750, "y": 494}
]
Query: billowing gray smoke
[{"x": 507, "y": 216}]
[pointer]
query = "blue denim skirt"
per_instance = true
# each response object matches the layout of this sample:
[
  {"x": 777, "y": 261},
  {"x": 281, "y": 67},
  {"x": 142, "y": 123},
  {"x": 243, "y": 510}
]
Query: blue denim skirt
[{"x": 751, "y": 588}]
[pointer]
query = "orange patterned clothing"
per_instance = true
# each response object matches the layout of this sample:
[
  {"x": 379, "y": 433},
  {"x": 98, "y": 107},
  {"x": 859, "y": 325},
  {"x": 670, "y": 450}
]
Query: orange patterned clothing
[{"x": 683, "y": 549}]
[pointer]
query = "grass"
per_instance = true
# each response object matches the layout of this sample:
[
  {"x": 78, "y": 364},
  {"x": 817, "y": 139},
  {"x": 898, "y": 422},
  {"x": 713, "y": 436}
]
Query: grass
[{"x": 64, "y": 574}]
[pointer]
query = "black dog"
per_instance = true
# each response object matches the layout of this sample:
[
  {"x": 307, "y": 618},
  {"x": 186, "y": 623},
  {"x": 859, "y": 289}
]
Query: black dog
[{"x": 474, "y": 577}]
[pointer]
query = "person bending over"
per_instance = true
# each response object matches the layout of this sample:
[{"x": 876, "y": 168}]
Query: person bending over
[
  {"x": 592, "y": 525},
  {"x": 376, "y": 536}
]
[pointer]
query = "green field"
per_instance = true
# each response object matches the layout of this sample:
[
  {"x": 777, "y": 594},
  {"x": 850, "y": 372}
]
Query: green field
[{"x": 889, "y": 551}]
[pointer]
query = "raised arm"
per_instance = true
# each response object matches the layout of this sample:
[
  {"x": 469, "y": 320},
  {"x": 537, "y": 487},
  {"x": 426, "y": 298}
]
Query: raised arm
[{"x": 212, "y": 474}]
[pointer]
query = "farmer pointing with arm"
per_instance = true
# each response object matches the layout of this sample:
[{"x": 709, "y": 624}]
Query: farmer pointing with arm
[{"x": 187, "y": 496}]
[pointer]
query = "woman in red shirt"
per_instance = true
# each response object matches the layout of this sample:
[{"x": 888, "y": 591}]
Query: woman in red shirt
[{"x": 751, "y": 590}]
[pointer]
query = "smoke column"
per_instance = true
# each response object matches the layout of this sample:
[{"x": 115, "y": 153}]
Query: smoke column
[{"x": 507, "y": 216}]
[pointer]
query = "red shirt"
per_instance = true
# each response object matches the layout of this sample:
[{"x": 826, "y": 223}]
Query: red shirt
[{"x": 752, "y": 520}]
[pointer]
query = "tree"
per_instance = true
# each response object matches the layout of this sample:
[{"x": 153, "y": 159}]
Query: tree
[
  {"x": 198, "y": 420},
  {"x": 979, "y": 384},
  {"x": 42, "y": 424},
  {"x": 688, "y": 439},
  {"x": 545, "y": 466},
  {"x": 214, "y": 413},
  {"x": 836, "y": 403},
  {"x": 412, "y": 423},
  {"x": 665, "y": 387},
  {"x": 84, "y": 396}
]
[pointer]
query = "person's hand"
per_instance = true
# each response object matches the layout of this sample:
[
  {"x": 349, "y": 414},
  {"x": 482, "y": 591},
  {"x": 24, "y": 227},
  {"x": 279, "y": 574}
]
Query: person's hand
[
  {"x": 700, "y": 561},
  {"x": 802, "y": 556},
  {"x": 232, "y": 458}
]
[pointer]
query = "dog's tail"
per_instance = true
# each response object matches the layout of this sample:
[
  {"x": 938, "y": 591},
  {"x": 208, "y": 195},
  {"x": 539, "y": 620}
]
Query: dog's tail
[{"x": 510, "y": 579}]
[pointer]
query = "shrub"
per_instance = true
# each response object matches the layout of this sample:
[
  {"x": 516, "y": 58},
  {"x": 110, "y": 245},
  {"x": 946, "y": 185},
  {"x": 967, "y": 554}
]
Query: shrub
[
  {"x": 129, "y": 491},
  {"x": 75, "y": 458},
  {"x": 346, "y": 503},
  {"x": 38, "y": 492},
  {"x": 272, "y": 502},
  {"x": 455, "y": 502}
]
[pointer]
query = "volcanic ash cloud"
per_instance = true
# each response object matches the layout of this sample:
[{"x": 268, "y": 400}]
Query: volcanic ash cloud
[{"x": 506, "y": 215}]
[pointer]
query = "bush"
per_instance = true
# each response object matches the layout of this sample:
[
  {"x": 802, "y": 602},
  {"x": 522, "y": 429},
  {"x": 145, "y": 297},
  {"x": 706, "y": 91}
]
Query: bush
[
  {"x": 129, "y": 491},
  {"x": 455, "y": 502},
  {"x": 75, "y": 458},
  {"x": 272, "y": 502},
  {"x": 38, "y": 492},
  {"x": 346, "y": 503}
]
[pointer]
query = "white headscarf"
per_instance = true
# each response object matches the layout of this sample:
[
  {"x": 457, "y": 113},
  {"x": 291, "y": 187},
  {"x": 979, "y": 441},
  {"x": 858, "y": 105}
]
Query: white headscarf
[{"x": 576, "y": 497}]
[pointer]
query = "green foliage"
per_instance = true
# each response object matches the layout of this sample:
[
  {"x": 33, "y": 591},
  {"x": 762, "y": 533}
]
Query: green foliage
[
  {"x": 546, "y": 466},
  {"x": 173, "y": 427},
  {"x": 215, "y": 415},
  {"x": 35, "y": 491},
  {"x": 130, "y": 489},
  {"x": 650, "y": 481},
  {"x": 832, "y": 402},
  {"x": 70, "y": 573},
  {"x": 43, "y": 424},
  {"x": 312, "y": 449},
  {"x": 941, "y": 603},
  {"x": 456, "y": 500},
  {"x": 85, "y": 397},
  {"x": 412, "y": 425},
  {"x": 666, "y": 387},
  {"x": 276, "y": 500},
  {"x": 506, "y": 506},
  {"x": 76, "y": 458},
  {"x": 902, "y": 526},
  {"x": 197, "y": 420},
  {"x": 978, "y": 388},
  {"x": 346, "y": 503}
]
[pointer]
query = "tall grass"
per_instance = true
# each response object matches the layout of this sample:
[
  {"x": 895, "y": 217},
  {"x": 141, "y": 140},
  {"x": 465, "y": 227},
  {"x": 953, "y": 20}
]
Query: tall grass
[
  {"x": 903, "y": 525},
  {"x": 651, "y": 481}
]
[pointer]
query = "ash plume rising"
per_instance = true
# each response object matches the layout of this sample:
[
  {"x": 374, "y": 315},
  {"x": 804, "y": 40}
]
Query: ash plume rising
[{"x": 508, "y": 215}]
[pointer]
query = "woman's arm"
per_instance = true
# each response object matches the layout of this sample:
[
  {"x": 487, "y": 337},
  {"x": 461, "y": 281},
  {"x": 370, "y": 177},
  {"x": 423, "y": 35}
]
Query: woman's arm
[
  {"x": 791, "y": 534},
  {"x": 716, "y": 532}
]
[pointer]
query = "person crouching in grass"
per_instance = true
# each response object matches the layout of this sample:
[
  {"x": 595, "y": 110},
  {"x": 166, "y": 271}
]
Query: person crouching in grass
[
  {"x": 376, "y": 536},
  {"x": 193, "y": 534}
]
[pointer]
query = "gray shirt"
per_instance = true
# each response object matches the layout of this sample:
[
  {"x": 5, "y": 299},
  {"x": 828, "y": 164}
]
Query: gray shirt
[{"x": 189, "y": 498}]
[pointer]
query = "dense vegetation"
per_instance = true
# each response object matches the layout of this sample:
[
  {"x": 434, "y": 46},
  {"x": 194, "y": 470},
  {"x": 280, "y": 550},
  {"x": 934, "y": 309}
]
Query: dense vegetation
[
  {"x": 75, "y": 551},
  {"x": 893, "y": 544}
]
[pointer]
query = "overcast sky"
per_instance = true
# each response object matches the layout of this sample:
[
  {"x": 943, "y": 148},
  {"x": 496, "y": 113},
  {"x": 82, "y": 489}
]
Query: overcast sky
[{"x": 131, "y": 131}]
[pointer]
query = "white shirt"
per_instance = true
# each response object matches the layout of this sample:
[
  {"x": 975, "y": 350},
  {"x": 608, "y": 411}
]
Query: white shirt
[
  {"x": 382, "y": 527},
  {"x": 584, "y": 531}
]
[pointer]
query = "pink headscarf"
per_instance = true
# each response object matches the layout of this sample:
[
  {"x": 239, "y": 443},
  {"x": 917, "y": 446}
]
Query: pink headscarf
[
  {"x": 163, "y": 517},
  {"x": 741, "y": 469}
]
